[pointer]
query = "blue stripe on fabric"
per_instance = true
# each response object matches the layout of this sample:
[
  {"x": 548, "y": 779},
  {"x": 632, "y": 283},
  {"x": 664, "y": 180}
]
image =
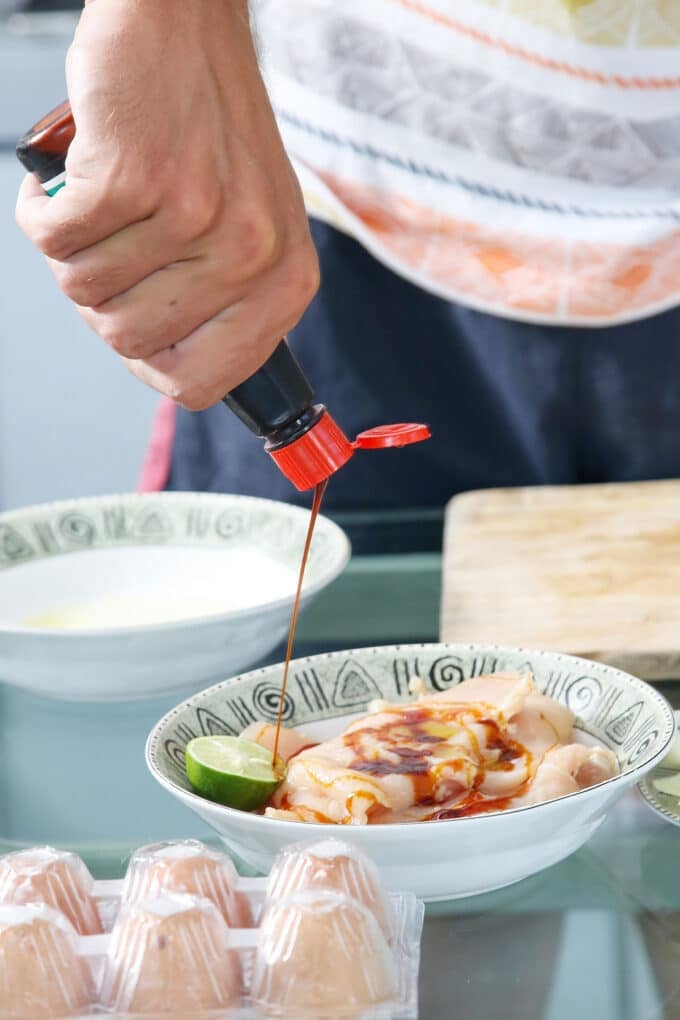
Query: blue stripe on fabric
[{"x": 474, "y": 187}]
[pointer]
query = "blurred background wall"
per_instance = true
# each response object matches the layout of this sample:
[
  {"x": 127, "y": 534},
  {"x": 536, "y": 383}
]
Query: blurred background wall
[{"x": 73, "y": 422}]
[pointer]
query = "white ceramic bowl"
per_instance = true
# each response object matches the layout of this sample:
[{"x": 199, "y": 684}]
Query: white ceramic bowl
[
  {"x": 665, "y": 804},
  {"x": 436, "y": 860},
  {"x": 135, "y": 596}
]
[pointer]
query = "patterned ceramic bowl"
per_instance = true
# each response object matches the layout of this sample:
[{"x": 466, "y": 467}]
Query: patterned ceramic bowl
[
  {"x": 665, "y": 804},
  {"x": 122, "y": 597},
  {"x": 436, "y": 860}
]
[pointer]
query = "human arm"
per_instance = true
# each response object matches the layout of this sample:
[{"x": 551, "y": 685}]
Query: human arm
[{"x": 181, "y": 235}]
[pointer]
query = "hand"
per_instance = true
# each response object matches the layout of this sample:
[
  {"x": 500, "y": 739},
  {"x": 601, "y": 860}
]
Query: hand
[{"x": 181, "y": 234}]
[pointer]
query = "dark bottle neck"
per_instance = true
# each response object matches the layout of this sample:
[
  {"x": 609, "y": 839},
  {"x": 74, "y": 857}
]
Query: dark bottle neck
[
  {"x": 295, "y": 428},
  {"x": 277, "y": 402}
]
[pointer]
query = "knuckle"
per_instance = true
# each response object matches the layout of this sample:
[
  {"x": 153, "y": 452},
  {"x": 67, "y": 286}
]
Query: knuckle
[
  {"x": 122, "y": 339},
  {"x": 196, "y": 401},
  {"x": 258, "y": 245},
  {"x": 194, "y": 394},
  {"x": 302, "y": 275},
  {"x": 195, "y": 210},
  {"x": 118, "y": 195},
  {"x": 133, "y": 200},
  {"x": 84, "y": 290},
  {"x": 51, "y": 240}
]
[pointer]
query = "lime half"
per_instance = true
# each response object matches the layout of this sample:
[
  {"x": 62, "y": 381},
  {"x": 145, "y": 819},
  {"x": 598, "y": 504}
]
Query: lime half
[{"x": 232, "y": 771}]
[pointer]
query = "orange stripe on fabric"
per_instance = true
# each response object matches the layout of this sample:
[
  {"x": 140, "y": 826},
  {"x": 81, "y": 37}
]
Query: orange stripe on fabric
[
  {"x": 513, "y": 269},
  {"x": 536, "y": 58}
]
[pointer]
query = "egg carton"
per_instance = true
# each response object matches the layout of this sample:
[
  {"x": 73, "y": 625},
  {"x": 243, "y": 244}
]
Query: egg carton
[{"x": 318, "y": 938}]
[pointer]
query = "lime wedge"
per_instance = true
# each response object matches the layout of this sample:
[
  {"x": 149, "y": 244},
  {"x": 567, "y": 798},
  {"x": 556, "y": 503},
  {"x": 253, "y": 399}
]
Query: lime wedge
[{"x": 232, "y": 771}]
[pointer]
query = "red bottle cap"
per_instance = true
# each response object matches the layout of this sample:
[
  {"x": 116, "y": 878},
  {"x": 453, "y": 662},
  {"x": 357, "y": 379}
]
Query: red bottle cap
[
  {"x": 323, "y": 450},
  {"x": 316, "y": 455},
  {"x": 383, "y": 436}
]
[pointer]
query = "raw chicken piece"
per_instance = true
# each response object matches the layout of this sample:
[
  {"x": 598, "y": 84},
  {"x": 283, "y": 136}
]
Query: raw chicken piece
[
  {"x": 291, "y": 742},
  {"x": 321, "y": 954},
  {"x": 321, "y": 786},
  {"x": 506, "y": 778},
  {"x": 41, "y": 976},
  {"x": 506, "y": 693},
  {"x": 187, "y": 867},
  {"x": 541, "y": 723},
  {"x": 335, "y": 866},
  {"x": 567, "y": 769},
  {"x": 405, "y": 762},
  {"x": 487, "y": 744},
  {"x": 509, "y": 696},
  {"x": 169, "y": 958},
  {"x": 53, "y": 877},
  {"x": 588, "y": 765}
]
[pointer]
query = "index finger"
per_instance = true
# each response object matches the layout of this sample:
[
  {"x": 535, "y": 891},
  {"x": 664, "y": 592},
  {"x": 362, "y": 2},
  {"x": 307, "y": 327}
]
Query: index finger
[
  {"x": 78, "y": 216},
  {"x": 30, "y": 192}
]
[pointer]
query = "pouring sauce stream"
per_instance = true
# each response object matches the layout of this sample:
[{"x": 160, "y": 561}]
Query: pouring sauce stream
[{"x": 316, "y": 506}]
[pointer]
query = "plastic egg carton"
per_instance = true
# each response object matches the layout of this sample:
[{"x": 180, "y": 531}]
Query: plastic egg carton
[{"x": 183, "y": 935}]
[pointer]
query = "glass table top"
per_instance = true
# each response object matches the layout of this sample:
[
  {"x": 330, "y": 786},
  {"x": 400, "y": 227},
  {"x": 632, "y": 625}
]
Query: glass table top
[{"x": 596, "y": 936}]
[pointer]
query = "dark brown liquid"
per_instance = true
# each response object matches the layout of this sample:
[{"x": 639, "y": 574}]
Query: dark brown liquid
[
  {"x": 406, "y": 736},
  {"x": 316, "y": 506},
  {"x": 407, "y": 741}
]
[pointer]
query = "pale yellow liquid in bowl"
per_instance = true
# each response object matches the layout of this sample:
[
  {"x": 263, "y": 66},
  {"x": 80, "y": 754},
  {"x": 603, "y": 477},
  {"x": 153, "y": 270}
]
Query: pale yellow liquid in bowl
[{"x": 127, "y": 612}]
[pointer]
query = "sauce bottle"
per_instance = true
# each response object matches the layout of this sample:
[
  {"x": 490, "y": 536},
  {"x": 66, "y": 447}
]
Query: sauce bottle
[{"x": 277, "y": 402}]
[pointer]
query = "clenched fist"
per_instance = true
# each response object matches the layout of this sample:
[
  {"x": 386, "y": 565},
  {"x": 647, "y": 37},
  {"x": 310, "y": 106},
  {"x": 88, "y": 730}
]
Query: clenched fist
[{"x": 181, "y": 234}]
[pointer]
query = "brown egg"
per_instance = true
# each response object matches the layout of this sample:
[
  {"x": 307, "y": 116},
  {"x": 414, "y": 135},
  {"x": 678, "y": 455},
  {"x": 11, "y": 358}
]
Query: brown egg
[
  {"x": 331, "y": 864},
  {"x": 321, "y": 954},
  {"x": 170, "y": 957},
  {"x": 188, "y": 867},
  {"x": 53, "y": 877},
  {"x": 40, "y": 974}
]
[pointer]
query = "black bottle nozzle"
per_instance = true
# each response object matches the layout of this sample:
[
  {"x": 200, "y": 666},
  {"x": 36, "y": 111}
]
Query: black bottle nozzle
[{"x": 275, "y": 397}]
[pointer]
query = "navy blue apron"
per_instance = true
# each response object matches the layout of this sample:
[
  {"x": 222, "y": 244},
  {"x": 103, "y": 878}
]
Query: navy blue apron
[{"x": 509, "y": 403}]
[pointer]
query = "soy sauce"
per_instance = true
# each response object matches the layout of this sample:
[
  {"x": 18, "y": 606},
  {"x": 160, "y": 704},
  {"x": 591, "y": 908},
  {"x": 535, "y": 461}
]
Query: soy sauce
[{"x": 316, "y": 506}]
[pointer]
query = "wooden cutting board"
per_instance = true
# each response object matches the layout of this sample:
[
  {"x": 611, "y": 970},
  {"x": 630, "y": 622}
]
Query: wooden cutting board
[{"x": 592, "y": 570}]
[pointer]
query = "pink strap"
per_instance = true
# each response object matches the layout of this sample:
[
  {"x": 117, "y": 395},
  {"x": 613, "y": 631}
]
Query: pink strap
[{"x": 156, "y": 466}]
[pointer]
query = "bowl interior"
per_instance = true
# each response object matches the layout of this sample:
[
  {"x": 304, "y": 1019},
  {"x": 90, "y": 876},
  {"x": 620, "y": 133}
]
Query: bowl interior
[
  {"x": 121, "y": 561},
  {"x": 611, "y": 707}
]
